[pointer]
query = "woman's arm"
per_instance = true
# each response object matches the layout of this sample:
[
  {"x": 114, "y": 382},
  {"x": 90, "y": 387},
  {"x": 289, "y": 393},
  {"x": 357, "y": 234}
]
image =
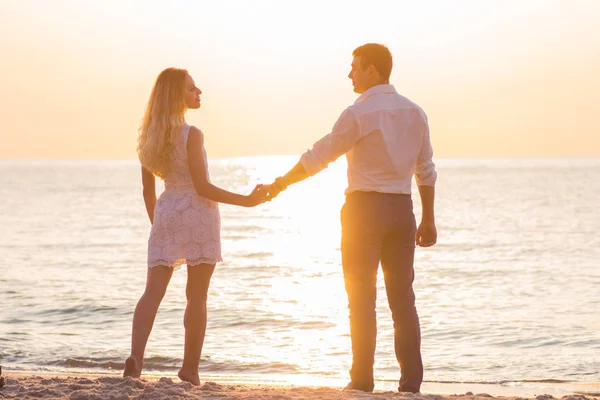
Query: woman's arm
[
  {"x": 149, "y": 190},
  {"x": 206, "y": 189}
]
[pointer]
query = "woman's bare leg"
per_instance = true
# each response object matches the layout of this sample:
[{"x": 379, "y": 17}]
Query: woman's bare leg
[
  {"x": 143, "y": 319},
  {"x": 195, "y": 320}
]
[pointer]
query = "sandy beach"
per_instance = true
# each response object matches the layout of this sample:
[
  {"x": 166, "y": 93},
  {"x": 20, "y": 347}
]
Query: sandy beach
[{"x": 111, "y": 387}]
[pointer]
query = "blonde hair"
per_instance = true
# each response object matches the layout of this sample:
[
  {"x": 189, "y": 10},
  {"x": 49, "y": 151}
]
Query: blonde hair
[{"x": 163, "y": 121}]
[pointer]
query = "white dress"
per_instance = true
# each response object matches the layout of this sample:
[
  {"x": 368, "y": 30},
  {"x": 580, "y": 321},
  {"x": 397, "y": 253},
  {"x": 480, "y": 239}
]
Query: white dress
[{"x": 187, "y": 227}]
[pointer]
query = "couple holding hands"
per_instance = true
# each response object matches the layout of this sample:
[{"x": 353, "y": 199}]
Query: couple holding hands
[{"x": 386, "y": 140}]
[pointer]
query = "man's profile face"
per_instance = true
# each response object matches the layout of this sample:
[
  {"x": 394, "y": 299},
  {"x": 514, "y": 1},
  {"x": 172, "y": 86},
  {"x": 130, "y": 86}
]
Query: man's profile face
[{"x": 361, "y": 79}]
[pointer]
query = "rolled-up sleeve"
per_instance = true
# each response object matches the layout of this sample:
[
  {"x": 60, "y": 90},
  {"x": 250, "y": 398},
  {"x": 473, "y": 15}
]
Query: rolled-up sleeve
[
  {"x": 425, "y": 173},
  {"x": 343, "y": 137}
]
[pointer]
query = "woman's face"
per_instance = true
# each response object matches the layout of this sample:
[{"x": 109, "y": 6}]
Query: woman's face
[{"x": 191, "y": 93}]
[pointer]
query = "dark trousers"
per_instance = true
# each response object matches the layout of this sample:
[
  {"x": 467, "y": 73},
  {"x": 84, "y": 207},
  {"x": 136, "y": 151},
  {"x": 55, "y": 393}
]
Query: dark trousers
[{"x": 378, "y": 227}]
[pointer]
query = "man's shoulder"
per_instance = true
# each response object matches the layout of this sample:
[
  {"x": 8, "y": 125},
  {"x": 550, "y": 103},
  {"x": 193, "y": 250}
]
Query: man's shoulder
[
  {"x": 408, "y": 102},
  {"x": 378, "y": 103},
  {"x": 350, "y": 112},
  {"x": 405, "y": 102}
]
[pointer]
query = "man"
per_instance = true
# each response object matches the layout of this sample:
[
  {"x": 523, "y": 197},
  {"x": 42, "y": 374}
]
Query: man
[{"x": 386, "y": 140}]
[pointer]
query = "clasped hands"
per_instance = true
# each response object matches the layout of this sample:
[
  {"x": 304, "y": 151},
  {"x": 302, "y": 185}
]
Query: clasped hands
[{"x": 263, "y": 193}]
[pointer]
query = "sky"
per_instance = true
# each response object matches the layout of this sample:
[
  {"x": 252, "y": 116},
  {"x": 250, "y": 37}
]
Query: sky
[{"x": 505, "y": 78}]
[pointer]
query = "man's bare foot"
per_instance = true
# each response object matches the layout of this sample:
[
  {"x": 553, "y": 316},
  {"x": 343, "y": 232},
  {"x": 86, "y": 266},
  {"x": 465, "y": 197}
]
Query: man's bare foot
[
  {"x": 133, "y": 367},
  {"x": 191, "y": 377}
]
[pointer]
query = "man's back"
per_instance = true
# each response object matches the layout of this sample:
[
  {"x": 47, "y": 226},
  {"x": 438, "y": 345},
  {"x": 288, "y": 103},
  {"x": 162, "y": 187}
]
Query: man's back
[
  {"x": 386, "y": 140},
  {"x": 393, "y": 133}
]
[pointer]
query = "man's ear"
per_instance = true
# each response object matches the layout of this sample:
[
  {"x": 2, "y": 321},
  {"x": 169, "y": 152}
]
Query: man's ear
[{"x": 372, "y": 70}]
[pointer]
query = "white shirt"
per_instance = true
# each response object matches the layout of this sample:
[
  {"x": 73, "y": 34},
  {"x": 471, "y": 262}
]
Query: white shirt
[{"x": 386, "y": 140}]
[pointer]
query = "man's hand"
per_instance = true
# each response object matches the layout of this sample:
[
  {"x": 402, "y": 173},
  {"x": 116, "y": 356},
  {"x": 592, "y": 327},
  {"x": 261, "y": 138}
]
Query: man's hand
[
  {"x": 273, "y": 189},
  {"x": 264, "y": 192},
  {"x": 426, "y": 234},
  {"x": 281, "y": 183},
  {"x": 258, "y": 196}
]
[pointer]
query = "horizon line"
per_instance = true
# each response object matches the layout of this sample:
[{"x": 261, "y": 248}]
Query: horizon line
[{"x": 503, "y": 157}]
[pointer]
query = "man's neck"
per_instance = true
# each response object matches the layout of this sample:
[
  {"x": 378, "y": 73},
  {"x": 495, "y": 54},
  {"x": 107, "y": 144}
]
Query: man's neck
[{"x": 376, "y": 84}]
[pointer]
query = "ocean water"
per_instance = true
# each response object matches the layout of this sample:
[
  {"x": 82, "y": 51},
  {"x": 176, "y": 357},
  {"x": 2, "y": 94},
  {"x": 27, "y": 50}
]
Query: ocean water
[{"x": 511, "y": 292}]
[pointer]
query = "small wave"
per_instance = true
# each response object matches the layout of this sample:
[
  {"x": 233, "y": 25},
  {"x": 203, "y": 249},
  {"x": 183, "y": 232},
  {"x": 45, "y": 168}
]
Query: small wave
[
  {"x": 243, "y": 228},
  {"x": 77, "y": 363},
  {"x": 165, "y": 364},
  {"x": 152, "y": 363},
  {"x": 259, "y": 254},
  {"x": 593, "y": 343},
  {"x": 542, "y": 381},
  {"x": 15, "y": 321},
  {"x": 236, "y": 366},
  {"x": 18, "y": 333},
  {"x": 62, "y": 246},
  {"x": 540, "y": 342},
  {"x": 274, "y": 322},
  {"x": 160, "y": 363},
  {"x": 254, "y": 323},
  {"x": 76, "y": 310},
  {"x": 314, "y": 324},
  {"x": 500, "y": 382}
]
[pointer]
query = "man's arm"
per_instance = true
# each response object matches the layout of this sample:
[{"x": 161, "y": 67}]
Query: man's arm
[
  {"x": 426, "y": 176},
  {"x": 343, "y": 137},
  {"x": 427, "y": 194},
  {"x": 294, "y": 175},
  {"x": 427, "y": 233}
]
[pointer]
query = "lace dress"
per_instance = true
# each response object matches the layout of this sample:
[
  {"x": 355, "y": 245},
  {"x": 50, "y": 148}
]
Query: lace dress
[{"x": 186, "y": 227}]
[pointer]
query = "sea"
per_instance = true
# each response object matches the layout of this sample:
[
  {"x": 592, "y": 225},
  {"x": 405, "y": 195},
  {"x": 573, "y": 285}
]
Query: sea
[{"x": 509, "y": 296}]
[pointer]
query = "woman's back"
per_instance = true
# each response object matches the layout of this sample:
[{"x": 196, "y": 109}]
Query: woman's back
[{"x": 179, "y": 176}]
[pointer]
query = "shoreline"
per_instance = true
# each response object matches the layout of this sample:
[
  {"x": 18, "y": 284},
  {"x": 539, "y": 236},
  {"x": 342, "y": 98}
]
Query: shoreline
[{"x": 81, "y": 386}]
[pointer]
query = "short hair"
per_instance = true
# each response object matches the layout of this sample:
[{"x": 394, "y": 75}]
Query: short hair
[{"x": 377, "y": 55}]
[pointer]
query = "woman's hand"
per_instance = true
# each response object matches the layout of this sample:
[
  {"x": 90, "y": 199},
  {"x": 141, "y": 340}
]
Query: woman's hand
[{"x": 258, "y": 196}]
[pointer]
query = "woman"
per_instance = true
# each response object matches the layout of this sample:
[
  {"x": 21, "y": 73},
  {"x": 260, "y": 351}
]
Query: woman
[{"x": 185, "y": 219}]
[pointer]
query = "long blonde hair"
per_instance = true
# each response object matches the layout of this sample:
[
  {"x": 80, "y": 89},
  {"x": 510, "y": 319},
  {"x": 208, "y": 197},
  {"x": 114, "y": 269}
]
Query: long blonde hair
[{"x": 163, "y": 121}]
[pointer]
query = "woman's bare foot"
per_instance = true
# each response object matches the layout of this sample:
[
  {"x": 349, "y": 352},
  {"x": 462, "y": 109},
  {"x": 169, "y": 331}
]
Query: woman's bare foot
[
  {"x": 133, "y": 367},
  {"x": 191, "y": 377}
]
